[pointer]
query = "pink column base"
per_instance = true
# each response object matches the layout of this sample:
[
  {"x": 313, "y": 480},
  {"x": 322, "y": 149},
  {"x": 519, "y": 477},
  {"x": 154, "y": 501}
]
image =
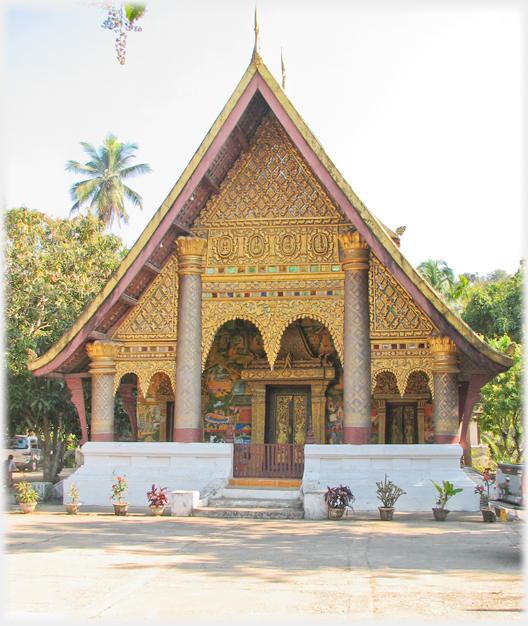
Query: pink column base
[
  {"x": 102, "y": 437},
  {"x": 187, "y": 435},
  {"x": 356, "y": 435},
  {"x": 446, "y": 438}
]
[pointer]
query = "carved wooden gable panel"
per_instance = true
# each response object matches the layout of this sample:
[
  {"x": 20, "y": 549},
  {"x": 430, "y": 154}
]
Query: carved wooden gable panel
[
  {"x": 155, "y": 316},
  {"x": 270, "y": 186},
  {"x": 393, "y": 312}
]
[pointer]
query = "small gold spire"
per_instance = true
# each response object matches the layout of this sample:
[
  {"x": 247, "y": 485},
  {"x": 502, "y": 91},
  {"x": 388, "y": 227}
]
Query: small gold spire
[
  {"x": 283, "y": 72},
  {"x": 256, "y": 50}
]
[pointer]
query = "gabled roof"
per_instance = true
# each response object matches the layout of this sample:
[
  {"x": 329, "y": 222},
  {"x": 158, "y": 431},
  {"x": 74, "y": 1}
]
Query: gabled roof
[{"x": 255, "y": 95}]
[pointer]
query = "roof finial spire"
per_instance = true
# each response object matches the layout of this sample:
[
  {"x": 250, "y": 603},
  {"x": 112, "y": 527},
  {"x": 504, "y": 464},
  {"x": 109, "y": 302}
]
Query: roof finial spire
[
  {"x": 256, "y": 50},
  {"x": 283, "y": 72}
]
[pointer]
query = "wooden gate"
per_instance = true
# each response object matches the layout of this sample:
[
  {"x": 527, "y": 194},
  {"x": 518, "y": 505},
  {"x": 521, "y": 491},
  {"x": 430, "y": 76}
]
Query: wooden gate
[{"x": 268, "y": 460}]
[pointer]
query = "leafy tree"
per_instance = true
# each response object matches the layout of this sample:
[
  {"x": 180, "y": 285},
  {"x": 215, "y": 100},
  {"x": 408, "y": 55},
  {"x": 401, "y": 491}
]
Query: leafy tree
[
  {"x": 501, "y": 413},
  {"x": 104, "y": 190},
  {"x": 495, "y": 307},
  {"x": 438, "y": 274},
  {"x": 53, "y": 269}
]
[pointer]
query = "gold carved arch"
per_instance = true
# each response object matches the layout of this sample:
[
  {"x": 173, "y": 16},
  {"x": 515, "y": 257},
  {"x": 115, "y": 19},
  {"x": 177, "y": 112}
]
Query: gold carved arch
[
  {"x": 272, "y": 317},
  {"x": 336, "y": 333},
  {"x": 208, "y": 335},
  {"x": 145, "y": 369},
  {"x": 402, "y": 368}
]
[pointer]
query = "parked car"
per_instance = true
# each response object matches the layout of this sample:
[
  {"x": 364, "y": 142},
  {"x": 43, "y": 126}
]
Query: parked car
[
  {"x": 25, "y": 450},
  {"x": 508, "y": 502}
]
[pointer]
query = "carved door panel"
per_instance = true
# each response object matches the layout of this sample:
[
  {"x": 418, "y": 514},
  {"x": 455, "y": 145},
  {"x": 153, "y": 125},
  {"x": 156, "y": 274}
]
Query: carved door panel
[
  {"x": 287, "y": 411},
  {"x": 402, "y": 425}
]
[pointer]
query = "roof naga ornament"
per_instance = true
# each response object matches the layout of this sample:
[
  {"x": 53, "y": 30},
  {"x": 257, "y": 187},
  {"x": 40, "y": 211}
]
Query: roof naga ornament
[{"x": 256, "y": 58}]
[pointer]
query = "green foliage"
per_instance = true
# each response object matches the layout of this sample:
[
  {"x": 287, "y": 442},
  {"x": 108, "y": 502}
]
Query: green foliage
[
  {"x": 495, "y": 307},
  {"x": 135, "y": 11},
  {"x": 388, "y": 492},
  {"x": 104, "y": 189},
  {"x": 53, "y": 268},
  {"x": 439, "y": 275},
  {"x": 25, "y": 493},
  {"x": 445, "y": 492},
  {"x": 501, "y": 419},
  {"x": 74, "y": 493}
]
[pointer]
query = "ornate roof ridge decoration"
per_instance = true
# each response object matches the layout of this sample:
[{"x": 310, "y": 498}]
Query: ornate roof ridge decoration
[
  {"x": 258, "y": 78},
  {"x": 146, "y": 322}
]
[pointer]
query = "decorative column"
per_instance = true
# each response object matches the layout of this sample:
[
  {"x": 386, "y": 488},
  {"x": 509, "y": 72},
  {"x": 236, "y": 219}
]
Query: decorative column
[
  {"x": 445, "y": 381},
  {"x": 357, "y": 385},
  {"x": 187, "y": 400},
  {"x": 102, "y": 368}
]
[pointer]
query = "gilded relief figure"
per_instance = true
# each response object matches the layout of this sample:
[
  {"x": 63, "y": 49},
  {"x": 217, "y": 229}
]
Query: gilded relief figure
[{"x": 396, "y": 434}]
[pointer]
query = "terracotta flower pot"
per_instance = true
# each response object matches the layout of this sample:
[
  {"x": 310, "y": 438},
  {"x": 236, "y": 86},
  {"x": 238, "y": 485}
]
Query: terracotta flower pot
[
  {"x": 335, "y": 513},
  {"x": 72, "y": 508},
  {"x": 27, "y": 507},
  {"x": 440, "y": 514},
  {"x": 121, "y": 508},
  {"x": 157, "y": 510},
  {"x": 386, "y": 513},
  {"x": 488, "y": 515}
]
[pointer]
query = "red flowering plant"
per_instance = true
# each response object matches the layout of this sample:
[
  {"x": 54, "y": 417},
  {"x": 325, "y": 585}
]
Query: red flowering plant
[
  {"x": 483, "y": 490},
  {"x": 157, "y": 497},
  {"x": 119, "y": 489}
]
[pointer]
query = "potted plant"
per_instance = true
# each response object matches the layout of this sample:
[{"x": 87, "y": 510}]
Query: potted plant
[
  {"x": 157, "y": 499},
  {"x": 388, "y": 493},
  {"x": 445, "y": 492},
  {"x": 26, "y": 497},
  {"x": 72, "y": 507},
  {"x": 120, "y": 507},
  {"x": 337, "y": 500},
  {"x": 487, "y": 514}
]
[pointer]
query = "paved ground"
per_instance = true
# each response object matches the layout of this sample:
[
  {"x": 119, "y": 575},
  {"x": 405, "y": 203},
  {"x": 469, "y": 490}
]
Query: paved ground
[{"x": 99, "y": 566}]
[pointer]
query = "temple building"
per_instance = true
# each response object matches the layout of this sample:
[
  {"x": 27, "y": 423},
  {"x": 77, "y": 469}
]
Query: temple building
[{"x": 264, "y": 304}]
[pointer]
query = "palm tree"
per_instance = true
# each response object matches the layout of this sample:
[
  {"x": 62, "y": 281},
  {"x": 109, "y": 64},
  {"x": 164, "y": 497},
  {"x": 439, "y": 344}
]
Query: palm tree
[
  {"x": 439, "y": 276},
  {"x": 104, "y": 190}
]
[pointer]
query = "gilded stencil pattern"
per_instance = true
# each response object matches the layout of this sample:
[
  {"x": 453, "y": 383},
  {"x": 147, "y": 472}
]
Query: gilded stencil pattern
[
  {"x": 393, "y": 312},
  {"x": 357, "y": 374},
  {"x": 446, "y": 406},
  {"x": 272, "y": 246},
  {"x": 155, "y": 316},
  {"x": 402, "y": 368},
  {"x": 273, "y": 285},
  {"x": 102, "y": 403},
  {"x": 145, "y": 369},
  {"x": 270, "y": 182},
  {"x": 272, "y": 318}
]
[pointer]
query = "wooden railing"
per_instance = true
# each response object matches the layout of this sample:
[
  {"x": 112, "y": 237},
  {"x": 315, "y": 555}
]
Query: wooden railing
[{"x": 268, "y": 460}]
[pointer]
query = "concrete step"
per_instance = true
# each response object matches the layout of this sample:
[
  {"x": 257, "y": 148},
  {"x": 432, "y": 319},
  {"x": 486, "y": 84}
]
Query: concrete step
[
  {"x": 253, "y": 503},
  {"x": 261, "y": 493},
  {"x": 250, "y": 513}
]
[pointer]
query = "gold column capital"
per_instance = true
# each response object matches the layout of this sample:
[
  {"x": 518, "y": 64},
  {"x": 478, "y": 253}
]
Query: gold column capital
[
  {"x": 445, "y": 355},
  {"x": 356, "y": 251},
  {"x": 102, "y": 355},
  {"x": 191, "y": 253}
]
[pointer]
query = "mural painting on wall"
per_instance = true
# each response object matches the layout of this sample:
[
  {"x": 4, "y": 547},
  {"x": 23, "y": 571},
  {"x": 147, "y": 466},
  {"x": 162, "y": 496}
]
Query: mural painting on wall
[
  {"x": 322, "y": 345},
  {"x": 226, "y": 397},
  {"x": 152, "y": 410},
  {"x": 429, "y": 424}
]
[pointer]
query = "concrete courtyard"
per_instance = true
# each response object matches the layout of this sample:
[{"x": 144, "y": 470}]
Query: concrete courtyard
[{"x": 99, "y": 566}]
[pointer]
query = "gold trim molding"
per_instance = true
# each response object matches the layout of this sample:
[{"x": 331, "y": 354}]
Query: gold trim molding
[
  {"x": 145, "y": 369},
  {"x": 402, "y": 368}
]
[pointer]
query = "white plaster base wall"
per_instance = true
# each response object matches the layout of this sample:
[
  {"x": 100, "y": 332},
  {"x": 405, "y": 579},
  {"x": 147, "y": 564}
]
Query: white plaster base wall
[
  {"x": 411, "y": 467},
  {"x": 203, "y": 467}
]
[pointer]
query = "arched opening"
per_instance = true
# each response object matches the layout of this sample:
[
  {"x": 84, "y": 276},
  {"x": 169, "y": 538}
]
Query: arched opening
[
  {"x": 155, "y": 411},
  {"x": 226, "y": 398},
  {"x": 125, "y": 411},
  {"x": 401, "y": 418}
]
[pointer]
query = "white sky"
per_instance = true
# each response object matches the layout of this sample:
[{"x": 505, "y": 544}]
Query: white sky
[{"x": 420, "y": 105}]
